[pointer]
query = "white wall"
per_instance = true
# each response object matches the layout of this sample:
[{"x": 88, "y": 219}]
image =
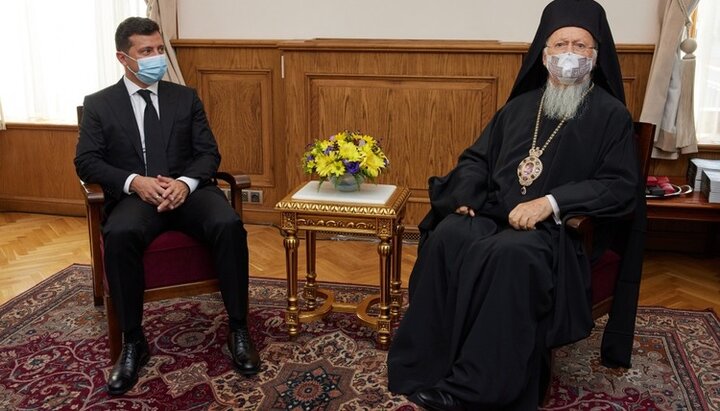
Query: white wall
[{"x": 632, "y": 21}]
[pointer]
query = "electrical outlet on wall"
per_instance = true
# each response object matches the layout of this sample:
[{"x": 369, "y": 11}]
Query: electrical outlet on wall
[
  {"x": 252, "y": 196},
  {"x": 256, "y": 196}
]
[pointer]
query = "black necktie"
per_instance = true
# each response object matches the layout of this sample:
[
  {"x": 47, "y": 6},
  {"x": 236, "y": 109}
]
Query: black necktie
[{"x": 155, "y": 159}]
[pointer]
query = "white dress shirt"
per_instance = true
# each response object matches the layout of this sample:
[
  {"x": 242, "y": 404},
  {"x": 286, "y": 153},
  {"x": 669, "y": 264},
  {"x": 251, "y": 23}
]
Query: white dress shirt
[{"x": 138, "y": 105}]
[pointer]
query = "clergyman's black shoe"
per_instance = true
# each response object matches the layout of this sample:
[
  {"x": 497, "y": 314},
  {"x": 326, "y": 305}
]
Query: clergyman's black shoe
[
  {"x": 244, "y": 355},
  {"x": 124, "y": 374},
  {"x": 437, "y": 400}
]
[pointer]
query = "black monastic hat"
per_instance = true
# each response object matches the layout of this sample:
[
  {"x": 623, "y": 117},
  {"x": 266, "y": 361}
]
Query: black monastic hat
[{"x": 588, "y": 15}]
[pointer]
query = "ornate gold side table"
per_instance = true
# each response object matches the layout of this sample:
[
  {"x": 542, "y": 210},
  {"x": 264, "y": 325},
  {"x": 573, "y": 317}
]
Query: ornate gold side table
[{"x": 376, "y": 209}]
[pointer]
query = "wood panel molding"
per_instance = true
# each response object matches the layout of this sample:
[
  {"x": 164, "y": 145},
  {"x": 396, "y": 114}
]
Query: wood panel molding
[
  {"x": 240, "y": 83},
  {"x": 385, "y": 107},
  {"x": 242, "y": 124},
  {"x": 37, "y": 170}
]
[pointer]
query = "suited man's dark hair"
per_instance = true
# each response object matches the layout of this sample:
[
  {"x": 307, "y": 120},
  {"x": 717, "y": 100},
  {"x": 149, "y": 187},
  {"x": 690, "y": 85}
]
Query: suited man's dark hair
[{"x": 131, "y": 26}]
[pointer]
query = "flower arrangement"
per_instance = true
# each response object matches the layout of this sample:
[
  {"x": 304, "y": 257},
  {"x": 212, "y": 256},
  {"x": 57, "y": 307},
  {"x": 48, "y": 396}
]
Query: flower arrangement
[{"x": 345, "y": 154}]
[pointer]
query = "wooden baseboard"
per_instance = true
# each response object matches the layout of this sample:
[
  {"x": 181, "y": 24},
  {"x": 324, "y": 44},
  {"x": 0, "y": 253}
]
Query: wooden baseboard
[
  {"x": 57, "y": 206},
  {"x": 260, "y": 216}
]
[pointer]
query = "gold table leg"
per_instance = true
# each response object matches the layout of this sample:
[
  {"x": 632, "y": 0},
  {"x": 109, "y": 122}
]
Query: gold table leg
[
  {"x": 314, "y": 311},
  {"x": 396, "y": 280},
  {"x": 383, "y": 319},
  {"x": 292, "y": 315},
  {"x": 310, "y": 290}
]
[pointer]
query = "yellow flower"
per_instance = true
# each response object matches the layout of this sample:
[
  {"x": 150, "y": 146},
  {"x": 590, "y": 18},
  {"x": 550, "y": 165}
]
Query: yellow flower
[
  {"x": 329, "y": 165},
  {"x": 348, "y": 151},
  {"x": 372, "y": 163}
]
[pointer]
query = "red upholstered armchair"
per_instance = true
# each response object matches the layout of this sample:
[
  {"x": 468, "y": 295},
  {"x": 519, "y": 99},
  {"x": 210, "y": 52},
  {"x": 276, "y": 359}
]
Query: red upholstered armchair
[
  {"x": 606, "y": 268},
  {"x": 606, "y": 281},
  {"x": 176, "y": 264}
]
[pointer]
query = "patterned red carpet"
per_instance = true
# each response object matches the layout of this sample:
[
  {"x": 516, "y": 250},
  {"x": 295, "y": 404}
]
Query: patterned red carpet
[{"x": 53, "y": 355}]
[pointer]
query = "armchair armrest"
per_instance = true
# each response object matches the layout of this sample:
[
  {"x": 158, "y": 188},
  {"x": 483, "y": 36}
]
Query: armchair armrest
[
  {"x": 237, "y": 183},
  {"x": 582, "y": 227},
  {"x": 238, "y": 180},
  {"x": 93, "y": 193}
]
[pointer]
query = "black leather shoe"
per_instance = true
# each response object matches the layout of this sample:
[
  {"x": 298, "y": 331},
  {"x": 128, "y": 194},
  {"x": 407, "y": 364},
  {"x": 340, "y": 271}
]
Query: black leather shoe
[
  {"x": 244, "y": 355},
  {"x": 436, "y": 400},
  {"x": 124, "y": 374}
]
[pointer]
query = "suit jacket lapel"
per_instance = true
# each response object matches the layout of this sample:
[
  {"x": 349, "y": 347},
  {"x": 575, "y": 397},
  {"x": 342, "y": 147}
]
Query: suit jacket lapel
[{"x": 126, "y": 117}]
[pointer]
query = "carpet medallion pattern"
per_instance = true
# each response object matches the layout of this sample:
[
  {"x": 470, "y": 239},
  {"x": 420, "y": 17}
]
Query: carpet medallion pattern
[{"x": 53, "y": 355}]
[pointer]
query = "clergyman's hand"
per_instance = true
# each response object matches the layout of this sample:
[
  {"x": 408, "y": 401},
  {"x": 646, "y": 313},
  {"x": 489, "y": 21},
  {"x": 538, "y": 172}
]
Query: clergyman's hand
[
  {"x": 465, "y": 210},
  {"x": 148, "y": 189},
  {"x": 174, "y": 194},
  {"x": 526, "y": 215}
]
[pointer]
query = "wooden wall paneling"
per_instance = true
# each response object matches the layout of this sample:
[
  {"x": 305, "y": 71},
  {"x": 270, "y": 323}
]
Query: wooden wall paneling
[
  {"x": 241, "y": 124},
  {"x": 241, "y": 87},
  {"x": 635, "y": 62},
  {"x": 423, "y": 122},
  {"x": 37, "y": 170}
]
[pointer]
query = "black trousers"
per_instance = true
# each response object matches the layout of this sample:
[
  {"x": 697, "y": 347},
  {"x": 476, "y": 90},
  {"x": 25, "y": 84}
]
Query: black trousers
[{"x": 133, "y": 224}]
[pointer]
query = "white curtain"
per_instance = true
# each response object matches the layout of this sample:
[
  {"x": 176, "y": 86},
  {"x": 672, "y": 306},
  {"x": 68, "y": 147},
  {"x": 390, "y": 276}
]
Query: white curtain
[
  {"x": 164, "y": 12},
  {"x": 707, "y": 90},
  {"x": 55, "y": 53},
  {"x": 669, "y": 97}
]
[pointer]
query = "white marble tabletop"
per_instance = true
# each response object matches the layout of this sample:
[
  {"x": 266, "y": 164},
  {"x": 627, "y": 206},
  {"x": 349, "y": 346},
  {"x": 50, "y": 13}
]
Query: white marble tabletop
[{"x": 368, "y": 194}]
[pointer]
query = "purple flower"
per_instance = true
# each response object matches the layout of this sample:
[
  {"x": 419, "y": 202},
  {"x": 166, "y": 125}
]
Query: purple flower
[{"x": 352, "y": 167}]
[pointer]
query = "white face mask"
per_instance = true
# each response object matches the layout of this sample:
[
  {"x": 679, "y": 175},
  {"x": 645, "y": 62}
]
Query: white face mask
[{"x": 568, "y": 68}]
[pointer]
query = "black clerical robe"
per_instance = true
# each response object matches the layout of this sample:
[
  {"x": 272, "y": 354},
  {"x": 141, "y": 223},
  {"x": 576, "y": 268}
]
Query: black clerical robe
[{"x": 486, "y": 301}]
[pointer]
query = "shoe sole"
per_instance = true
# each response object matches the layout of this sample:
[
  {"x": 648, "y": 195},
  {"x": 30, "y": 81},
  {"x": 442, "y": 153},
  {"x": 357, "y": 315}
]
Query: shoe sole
[
  {"x": 416, "y": 399},
  {"x": 246, "y": 372}
]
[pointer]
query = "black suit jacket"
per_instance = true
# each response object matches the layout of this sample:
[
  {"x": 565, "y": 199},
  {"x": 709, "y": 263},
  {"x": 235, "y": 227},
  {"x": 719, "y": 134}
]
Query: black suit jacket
[{"x": 109, "y": 147}]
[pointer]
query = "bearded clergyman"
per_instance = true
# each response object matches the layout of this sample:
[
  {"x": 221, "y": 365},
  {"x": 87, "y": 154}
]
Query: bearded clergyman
[{"x": 498, "y": 281}]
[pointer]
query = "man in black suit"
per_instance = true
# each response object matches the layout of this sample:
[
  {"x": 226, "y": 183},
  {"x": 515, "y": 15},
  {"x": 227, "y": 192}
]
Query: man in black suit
[{"x": 149, "y": 145}]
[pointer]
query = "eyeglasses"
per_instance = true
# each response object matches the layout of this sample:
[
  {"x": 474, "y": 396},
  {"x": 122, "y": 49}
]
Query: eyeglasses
[{"x": 577, "y": 46}]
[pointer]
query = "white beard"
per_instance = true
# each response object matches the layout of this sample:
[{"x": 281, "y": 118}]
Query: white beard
[{"x": 561, "y": 101}]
